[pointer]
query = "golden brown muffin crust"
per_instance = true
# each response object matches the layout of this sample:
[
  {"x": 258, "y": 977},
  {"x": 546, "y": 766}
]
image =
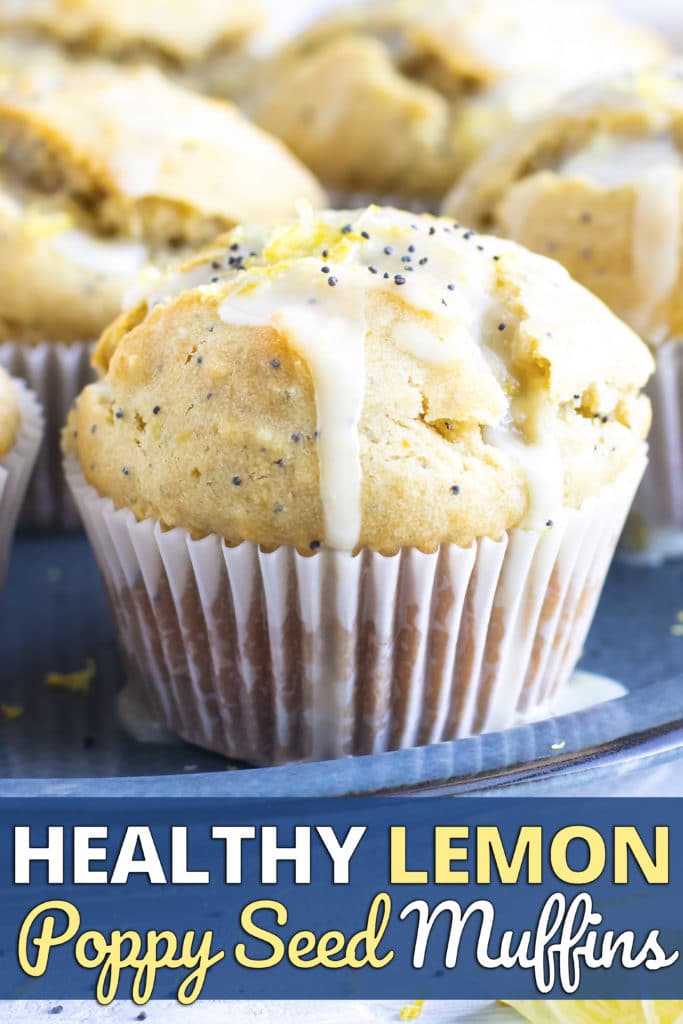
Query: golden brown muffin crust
[
  {"x": 492, "y": 390},
  {"x": 176, "y": 29}
]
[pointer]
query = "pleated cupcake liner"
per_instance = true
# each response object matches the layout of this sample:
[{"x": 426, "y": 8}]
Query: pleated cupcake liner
[
  {"x": 271, "y": 657},
  {"x": 655, "y": 529},
  {"x": 15, "y": 469},
  {"x": 57, "y": 373}
]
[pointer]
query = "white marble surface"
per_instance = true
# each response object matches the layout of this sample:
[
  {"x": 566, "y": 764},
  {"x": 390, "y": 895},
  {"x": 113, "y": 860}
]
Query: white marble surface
[{"x": 164, "y": 1012}]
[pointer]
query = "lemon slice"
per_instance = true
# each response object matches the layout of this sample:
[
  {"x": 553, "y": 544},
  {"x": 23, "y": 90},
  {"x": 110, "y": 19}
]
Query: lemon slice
[{"x": 597, "y": 1011}]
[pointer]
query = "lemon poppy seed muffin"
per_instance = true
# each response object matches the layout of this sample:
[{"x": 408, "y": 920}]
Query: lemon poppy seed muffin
[
  {"x": 20, "y": 434},
  {"x": 435, "y": 82},
  {"x": 201, "y": 43},
  {"x": 595, "y": 182},
  {"x": 10, "y": 416},
  {"x": 598, "y": 183},
  {"x": 104, "y": 172},
  {"x": 463, "y": 387},
  {"x": 354, "y": 481}
]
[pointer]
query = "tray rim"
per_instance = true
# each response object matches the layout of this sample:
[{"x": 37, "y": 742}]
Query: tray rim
[{"x": 644, "y": 724}]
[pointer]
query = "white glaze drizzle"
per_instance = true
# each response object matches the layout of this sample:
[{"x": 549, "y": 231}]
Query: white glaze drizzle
[
  {"x": 153, "y": 141},
  {"x": 328, "y": 330},
  {"x": 155, "y": 288},
  {"x": 105, "y": 256},
  {"x": 584, "y": 690},
  {"x": 615, "y": 160},
  {"x": 529, "y": 437}
]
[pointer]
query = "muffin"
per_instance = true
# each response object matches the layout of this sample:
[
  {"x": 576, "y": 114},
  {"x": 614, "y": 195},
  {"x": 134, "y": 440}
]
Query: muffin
[
  {"x": 200, "y": 43},
  {"x": 20, "y": 434},
  {"x": 596, "y": 183},
  {"x": 435, "y": 83},
  {"x": 104, "y": 173},
  {"x": 358, "y": 491}
]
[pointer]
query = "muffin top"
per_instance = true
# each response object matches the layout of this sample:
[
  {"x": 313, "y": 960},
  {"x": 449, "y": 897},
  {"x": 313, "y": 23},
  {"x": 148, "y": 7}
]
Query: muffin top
[
  {"x": 104, "y": 170},
  {"x": 369, "y": 379},
  {"x": 10, "y": 415},
  {"x": 174, "y": 30},
  {"x": 596, "y": 183},
  {"x": 436, "y": 81}
]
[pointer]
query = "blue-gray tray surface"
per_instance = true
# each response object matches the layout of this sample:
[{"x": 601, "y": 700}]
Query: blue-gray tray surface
[{"x": 54, "y": 617}]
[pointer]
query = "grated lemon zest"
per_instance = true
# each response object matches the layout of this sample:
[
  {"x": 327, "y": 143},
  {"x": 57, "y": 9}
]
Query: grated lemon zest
[
  {"x": 75, "y": 682},
  {"x": 413, "y": 1011},
  {"x": 11, "y": 711}
]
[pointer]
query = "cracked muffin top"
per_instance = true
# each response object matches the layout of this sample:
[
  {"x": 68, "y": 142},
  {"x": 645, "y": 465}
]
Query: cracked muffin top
[
  {"x": 435, "y": 81},
  {"x": 370, "y": 379},
  {"x": 597, "y": 183},
  {"x": 200, "y": 41},
  {"x": 105, "y": 170},
  {"x": 10, "y": 415}
]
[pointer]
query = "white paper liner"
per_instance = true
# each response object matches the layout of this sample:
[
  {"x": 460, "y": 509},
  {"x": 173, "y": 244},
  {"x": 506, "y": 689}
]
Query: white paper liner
[
  {"x": 274, "y": 657},
  {"x": 57, "y": 373},
  {"x": 15, "y": 469},
  {"x": 655, "y": 529}
]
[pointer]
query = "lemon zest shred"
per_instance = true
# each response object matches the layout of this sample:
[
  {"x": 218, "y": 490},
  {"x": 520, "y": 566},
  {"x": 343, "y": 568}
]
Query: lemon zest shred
[
  {"x": 74, "y": 682},
  {"x": 11, "y": 711},
  {"x": 413, "y": 1011},
  {"x": 42, "y": 224}
]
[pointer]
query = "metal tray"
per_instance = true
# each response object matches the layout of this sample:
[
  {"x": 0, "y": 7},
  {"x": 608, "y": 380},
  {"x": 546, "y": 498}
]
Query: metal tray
[{"x": 54, "y": 617}]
